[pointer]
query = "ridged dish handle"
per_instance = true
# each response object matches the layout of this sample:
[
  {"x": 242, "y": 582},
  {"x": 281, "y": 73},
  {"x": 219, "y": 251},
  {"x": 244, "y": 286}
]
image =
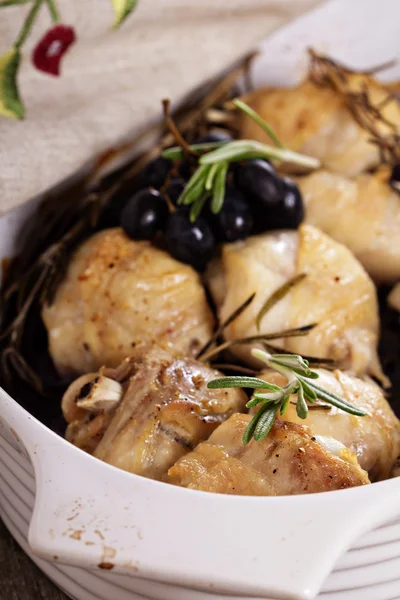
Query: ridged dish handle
[{"x": 90, "y": 514}]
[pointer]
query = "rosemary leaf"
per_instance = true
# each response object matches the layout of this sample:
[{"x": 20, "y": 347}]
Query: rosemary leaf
[
  {"x": 270, "y": 399},
  {"x": 248, "y": 434},
  {"x": 293, "y": 361},
  {"x": 232, "y": 317},
  {"x": 241, "y": 382},
  {"x": 256, "y": 117},
  {"x": 177, "y": 153},
  {"x": 197, "y": 207},
  {"x": 255, "y": 402},
  {"x": 286, "y": 363},
  {"x": 198, "y": 176},
  {"x": 219, "y": 187},
  {"x": 231, "y": 150},
  {"x": 301, "y": 404},
  {"x": 295, "y": 332},
  {"x": 277, "y": 296},
  {"x": 309, "y": 374},
  {"x": 265, "y": 422},
  {"x": 262, "y": 337},
  {"x": 276, "y": 396},
  {"x": 210, "y": 177},
  {"x": 309, "y": 392},
  {"x": 335, "y": 400},
  {"x": 195, "y": 192},
  {"x": 239, "y": 149},
  {"x": 288, "y": 390},
  {"x": 285, "y": 404}
]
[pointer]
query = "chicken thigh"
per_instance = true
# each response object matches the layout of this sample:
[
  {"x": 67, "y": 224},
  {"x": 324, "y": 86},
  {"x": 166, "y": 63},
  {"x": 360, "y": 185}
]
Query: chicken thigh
[
  {"x": 151, "y": 410},
  {"x": 394, "y": 297},
  {"x": 363, "y": 214},
  {"x": 288, "y": 461},
  {"x": 336, "y": 293},
  {"x": 374, "y": 439},
  {"x": 316, "y": 121},
  {"x": 396, "y": 469},
  {"x": 119, "y": 293}
]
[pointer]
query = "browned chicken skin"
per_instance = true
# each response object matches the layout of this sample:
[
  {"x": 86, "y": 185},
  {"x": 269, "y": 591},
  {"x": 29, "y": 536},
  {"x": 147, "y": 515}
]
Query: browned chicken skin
[
  {"x": 119, "y": 293},
  {"x": 336, "y": 293},
  {"x": 374, "y": 439},
  {"x": 396, "y": 469},
  {"x": 316, "y": 121},
  {"x": 164, "y": 411},
  {"x": 286, "y": 462},
  {"x": 394, "y": 297},
  {"x": 361, "y": 213}
]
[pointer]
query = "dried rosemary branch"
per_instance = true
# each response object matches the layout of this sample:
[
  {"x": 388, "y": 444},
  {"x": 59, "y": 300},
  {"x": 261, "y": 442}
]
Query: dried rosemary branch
[{"x": 325, "y": 72}]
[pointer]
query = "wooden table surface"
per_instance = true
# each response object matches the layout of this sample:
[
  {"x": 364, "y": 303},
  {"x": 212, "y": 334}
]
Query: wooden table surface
[{"x": 20, "y": 579}]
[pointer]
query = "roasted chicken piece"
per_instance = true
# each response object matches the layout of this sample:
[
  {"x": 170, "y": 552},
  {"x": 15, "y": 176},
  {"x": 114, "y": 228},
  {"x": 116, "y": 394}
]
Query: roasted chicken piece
[
  {"x": 288, "y": 461},
  {"x": 394, "y": 297},
  {"x": 158, "y": 409},
  {"x": 336, "y": 293},
  {"x": 316, "y": 121},
  {"x": 119, "y": 293},
  {"x": 396, "y": 469},
  {"x": 374, "y": 439},
  {"x": 393, "y": 87},
  {"x": 363, "y": 214},
  {"x": 90, "y": 402}
]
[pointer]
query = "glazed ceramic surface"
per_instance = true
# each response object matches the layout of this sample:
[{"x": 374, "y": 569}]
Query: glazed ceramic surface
[{"x": 101, "y": 533}]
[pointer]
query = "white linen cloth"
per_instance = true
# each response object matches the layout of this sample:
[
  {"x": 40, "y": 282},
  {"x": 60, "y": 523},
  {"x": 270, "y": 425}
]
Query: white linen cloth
[{"x": 112, "y": 81}]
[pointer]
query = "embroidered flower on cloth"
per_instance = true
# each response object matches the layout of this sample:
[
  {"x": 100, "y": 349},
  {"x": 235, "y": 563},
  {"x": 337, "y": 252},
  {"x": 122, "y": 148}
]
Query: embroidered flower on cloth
[
  {"x": 48, "y": 52},
  {"x": 51, "y": 48}
]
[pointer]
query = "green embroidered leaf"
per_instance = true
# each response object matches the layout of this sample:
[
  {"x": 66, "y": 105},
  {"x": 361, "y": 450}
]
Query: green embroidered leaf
[
  {"x": 122, "y": 9},
  {"x": 10, "y": 103},
  {"x": 4, "y": 3}
]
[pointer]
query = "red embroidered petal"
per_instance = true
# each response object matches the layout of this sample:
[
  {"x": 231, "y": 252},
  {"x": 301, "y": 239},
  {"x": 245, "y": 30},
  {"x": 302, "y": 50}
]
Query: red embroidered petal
[{"x": 49, "y": 51}]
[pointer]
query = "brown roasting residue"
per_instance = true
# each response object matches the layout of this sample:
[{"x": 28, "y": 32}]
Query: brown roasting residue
[
  {"x": 73, "y": 517},
  {"x": 108, "y": 552},
  {"x": 106, "y": 565},
  {"x": 15, "y": 434}
]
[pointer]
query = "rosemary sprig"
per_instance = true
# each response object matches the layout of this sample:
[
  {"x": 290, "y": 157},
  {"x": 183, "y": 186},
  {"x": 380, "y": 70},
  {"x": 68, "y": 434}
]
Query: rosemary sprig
[
  {"x": 209, "y": 179},
  {"x": 276, "y": 399},
  {"x": 262, "y": 337},
  {"x": 276, "y": 296},
  {"x": 222, "y": 326}
]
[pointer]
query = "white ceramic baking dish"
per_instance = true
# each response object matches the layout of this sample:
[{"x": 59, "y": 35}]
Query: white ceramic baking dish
[{"x": 103, "y": 534}]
